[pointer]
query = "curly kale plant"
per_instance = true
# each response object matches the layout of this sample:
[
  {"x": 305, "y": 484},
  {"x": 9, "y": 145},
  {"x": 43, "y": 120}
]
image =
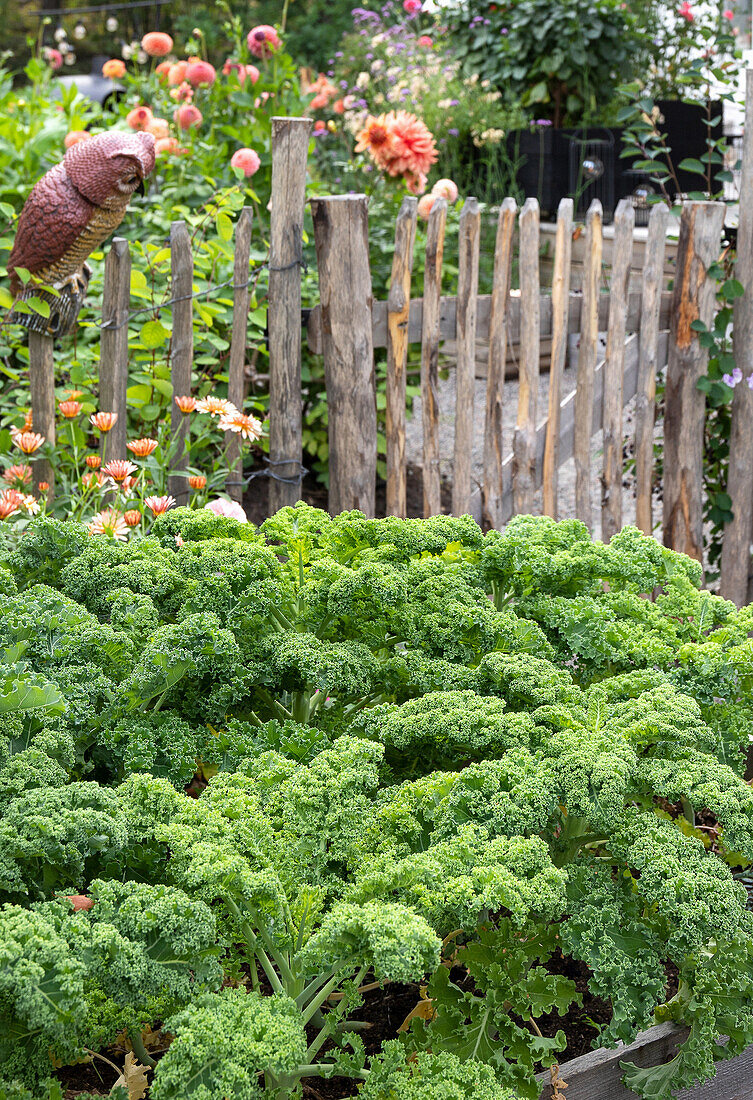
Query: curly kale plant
[{"x": 417, "y": 754}]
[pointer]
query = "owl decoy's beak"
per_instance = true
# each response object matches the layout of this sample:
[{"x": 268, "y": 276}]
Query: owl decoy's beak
[{"x": 141, "y": 188}]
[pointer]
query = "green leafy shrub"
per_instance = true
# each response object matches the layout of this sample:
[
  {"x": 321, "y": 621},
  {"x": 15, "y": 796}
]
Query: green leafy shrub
[{"x": 525, "y": 744}]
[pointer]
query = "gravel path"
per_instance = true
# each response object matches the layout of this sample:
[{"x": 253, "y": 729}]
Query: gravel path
[{"x": 414, "y": 443}]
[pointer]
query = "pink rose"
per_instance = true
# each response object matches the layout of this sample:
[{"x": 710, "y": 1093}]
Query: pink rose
[
  {"x": 247, "y": 159},
  {"x": 424, "y": 41},
  {"x": 53, "y": 57},
  {"x": 413, "y": 7},
  {"x": 222, "y": 507},
  {"x": 445, "y": 189}
]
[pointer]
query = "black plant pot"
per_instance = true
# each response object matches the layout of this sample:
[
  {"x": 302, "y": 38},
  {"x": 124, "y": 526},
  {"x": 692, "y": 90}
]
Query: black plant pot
[
  {"x": 687, "y": 133},
  {"x": 541, "y": 157}
]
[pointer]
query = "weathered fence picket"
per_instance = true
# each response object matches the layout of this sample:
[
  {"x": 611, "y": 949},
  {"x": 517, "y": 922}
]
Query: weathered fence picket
[
  {"x": 290, "y": 139},
  {"x": 398, "y": 310},
  {"x": 113, "y": 349},
  {"x": 341, "y": 234},
  {"x": 589, "y": 334},
  {"x": 563, "y": 251},
  {"x": 645, "y": 401},
  {"x": 465, "y": 370},
  {"x": 524, "y": 441},
  {"x": 42, "y": 385},
  {"x": 614, "y": 366},
  {"x": 685, "y": 405},
  {"x": 430, "y": 335},
  {"x": 491, "y": 489}
]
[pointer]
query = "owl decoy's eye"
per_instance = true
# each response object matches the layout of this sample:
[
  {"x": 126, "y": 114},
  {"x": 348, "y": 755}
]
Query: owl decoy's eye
[{"x": 132, "y": 179}]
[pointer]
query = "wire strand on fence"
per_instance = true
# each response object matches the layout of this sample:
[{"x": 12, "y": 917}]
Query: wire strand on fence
[{"x": 302, "y": 471}]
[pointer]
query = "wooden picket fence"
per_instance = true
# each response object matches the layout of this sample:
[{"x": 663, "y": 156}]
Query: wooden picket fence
[{"x": 648, "y": 330}]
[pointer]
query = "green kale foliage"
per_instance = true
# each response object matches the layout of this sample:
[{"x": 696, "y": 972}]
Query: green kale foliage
[{"x": 417, "y": 754}]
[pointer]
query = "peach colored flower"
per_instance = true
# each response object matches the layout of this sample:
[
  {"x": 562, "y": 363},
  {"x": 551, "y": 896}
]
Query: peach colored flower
[
  {"x": 200, "y": 72},
  {"x": 44, "y": 486},
  {"x": 319, "y": 102},
  {"x": 156, "y": 44},
  {"x": 186, "y": 403},
  {"x": 159, "y": 128},
  {"x": 18, "y": 473},
  {"x": 187, "y": 116},
  {"x": 105, "y": 421},
  {"x": 177, "y": 73},
  {"x": 69, "y": 409},
  {"x": 319, "y": 125},
  {"x": 93, "y": 462},
  {"x": 114, "y": 68},
  {"x": 119, "y": 469},
  {"x": 159, "y": 505},
  {"x": 425, "y": 204},
  {"x": 140, "y": 117},
  {"x": 95, "y": 477},
  {"x": 247, "y": 159},
  {"x": 222, "y": 507},
  {"x": 263, "y": 41},
  {"x": 424, "y": 41},
  {"x": 28, "y": 442},
  {"x": 376, "y": 139},
  {"x": 109, "y": 522},
  {"x": 128, "y": 484},
  {"x": 132, "y": 518},
  {"x": 73, "y": 395},
  {"x": 73, "y": 137},
  {"x": 412, "y": 145},
  {"x": 142, "y": 448},
  {"x": 163, "y": 69},
  {"x": 10, "y": 503},
  {"x": 244, "y": 72},
  {"x": 168, "y": 145},
  {"x": 415, "y": 184},
  {"x": 28, "y": 421},
  {"x": 445, "y": 189},
  {"x": 215, "y": 406},
  {"x": 197, "y": 481},
  {"x": 248, "y": 427}
]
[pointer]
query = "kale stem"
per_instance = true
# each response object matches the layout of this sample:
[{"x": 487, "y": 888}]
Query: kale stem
[
  {"x": 140, "y": 1050},
  {"x": 321, "y": 997}
]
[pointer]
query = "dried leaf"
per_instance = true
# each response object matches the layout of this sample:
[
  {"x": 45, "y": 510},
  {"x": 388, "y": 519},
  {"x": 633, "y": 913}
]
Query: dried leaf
[
  {"x": 424, "y": 1010},
  {"x": 558, "y": 1085},
  {"x": 133, "y": 1078}
]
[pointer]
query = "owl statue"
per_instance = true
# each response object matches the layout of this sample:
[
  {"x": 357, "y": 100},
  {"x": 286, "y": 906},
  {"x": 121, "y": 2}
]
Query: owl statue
[{"x": 69, "y": 213}]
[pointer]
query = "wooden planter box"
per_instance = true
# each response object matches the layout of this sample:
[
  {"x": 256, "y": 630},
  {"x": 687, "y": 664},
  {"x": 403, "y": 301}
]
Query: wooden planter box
[{"x": 596, "y": 1075}]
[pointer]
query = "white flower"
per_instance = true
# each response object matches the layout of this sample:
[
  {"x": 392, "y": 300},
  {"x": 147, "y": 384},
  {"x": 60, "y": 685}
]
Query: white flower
[{"x": 363, "y": 80}]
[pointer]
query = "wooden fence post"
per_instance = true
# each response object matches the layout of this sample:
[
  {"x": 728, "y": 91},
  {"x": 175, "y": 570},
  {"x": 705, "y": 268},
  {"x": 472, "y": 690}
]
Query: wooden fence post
[
  {"x": 491, "y": 489},
  {"x": 589, "y": 335},
  {"x": 685, "y": 405},
  {"x": 430, "y": 357},
  {"x": 236, "y": 380},
  {"x": 465, "y": 370},
  {"x": 524, "y": 443},
  {"x": 734, "y": 581},
  {"x": 113, "y": 348},
  {"x": 42, "y": 385},
  {"x": 398, "y": 312},
  {"x": 563, "y": 251},
  {"x": 645, "y": 400},
  {"x": 341, "y": 236},
  {"x": 181, "y": 357},
  {"x": 290, "y": 142},
  {"x": 614, "y": 366}
]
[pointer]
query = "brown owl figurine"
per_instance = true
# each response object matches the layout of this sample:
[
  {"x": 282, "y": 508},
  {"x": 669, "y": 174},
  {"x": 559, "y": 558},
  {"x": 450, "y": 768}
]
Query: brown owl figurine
[{"x": 69, "y": 213}]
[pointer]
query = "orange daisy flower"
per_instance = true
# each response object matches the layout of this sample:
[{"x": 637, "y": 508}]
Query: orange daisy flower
[
  {"x": 44, "y": 486},
  {"x": 96, "y": 477},
  {"x": 119, "y": 469},
  {"x": 10, "y": 503},
  {"x": 104, "y": 421},
  {"x": 159, "y": 505},
  {"x": 18, "y": 473},
  {"x": 197, "y": 481},
  {"x": 28, "y": 442},
  {"x": 132, "y": 517},
  {"x": 186, "y": 404},
  {"x": 247, "y": 426},
  {"x": 69, "y": 409},
  {"x": 142, "y": 448},
  {"x": 215, "y": 406},
  {"x": 109, "y": 522},
  {"x": 93, "y": 462}
]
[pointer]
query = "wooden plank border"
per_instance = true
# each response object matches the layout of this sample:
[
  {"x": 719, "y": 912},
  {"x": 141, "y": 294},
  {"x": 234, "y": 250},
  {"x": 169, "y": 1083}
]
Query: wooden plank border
[{"x": 597, "y": 1075}]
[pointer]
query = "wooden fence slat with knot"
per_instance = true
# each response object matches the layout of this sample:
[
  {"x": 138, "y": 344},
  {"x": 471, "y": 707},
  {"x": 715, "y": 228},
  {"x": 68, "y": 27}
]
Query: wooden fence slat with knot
[{"x": 648, "y": 329}]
